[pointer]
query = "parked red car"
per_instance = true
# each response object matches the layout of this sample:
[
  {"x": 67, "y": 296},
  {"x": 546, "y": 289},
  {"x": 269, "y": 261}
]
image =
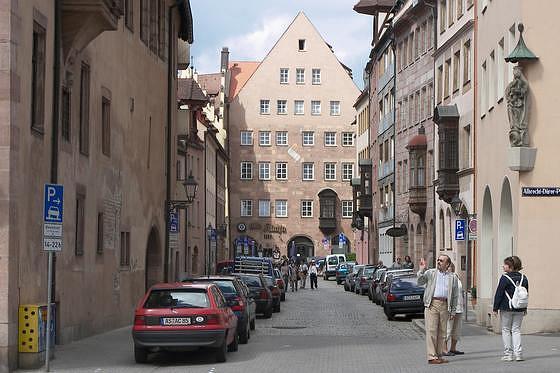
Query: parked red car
[{"x": 184, "y": 315}]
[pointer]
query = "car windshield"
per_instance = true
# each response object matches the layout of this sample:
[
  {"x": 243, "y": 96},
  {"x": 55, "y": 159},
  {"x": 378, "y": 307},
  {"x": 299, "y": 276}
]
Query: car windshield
[
  {"x": 405, "y": 283},
  {"x": 268, "y": 281},
  {"x": 342, "y": 266},
  {"x": 369, "y": 271},
  {"x": 355, "y": 269},
  {"x": 226, "y": 287},
  {"x": 177, "y": 298},
  {"x": 251, "y": 281},
  {"x": 333, "y": 260}
]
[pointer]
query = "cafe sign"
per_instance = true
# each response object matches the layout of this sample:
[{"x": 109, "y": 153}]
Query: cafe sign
[{"x": 275, "y": 228}]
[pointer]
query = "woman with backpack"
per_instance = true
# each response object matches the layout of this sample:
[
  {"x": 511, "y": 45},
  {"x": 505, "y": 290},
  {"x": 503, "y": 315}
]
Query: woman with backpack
[{"x": 511, "y": 300}]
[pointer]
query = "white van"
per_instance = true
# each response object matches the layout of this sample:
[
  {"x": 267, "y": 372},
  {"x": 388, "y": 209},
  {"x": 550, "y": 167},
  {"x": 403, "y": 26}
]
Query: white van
[{"x": 331, "y": 261}]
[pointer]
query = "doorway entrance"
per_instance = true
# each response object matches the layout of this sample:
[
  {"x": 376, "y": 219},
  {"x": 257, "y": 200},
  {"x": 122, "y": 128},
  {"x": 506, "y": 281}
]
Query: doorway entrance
[
  {"x": 300, "y": 246},
  {"x": 154, "y": 259}
]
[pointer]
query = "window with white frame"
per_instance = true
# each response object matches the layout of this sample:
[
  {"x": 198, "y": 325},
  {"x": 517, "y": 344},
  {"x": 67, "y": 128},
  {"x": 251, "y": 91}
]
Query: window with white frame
[
  {"x": 264, "y": 138},
  {"x": 306, "y": 209},
  {"x": 316, "y": 76},
  {"x": 299, "y": 107},
  {"x": 282, "y": 107},
  {"x": 281, "y": 171},
  {"x": 265, "y": 106},
  {"x": 246, "y": 207},
  {"x": 281, "y": 208},
  {"x": 246, "y": 137},
  {"x": 330, "y": 171},
  {"x": 264, "y": 170},
  {"x": 264, "y": 207},
  {"x": 308, "y": 171},
  {"x": 330, "y": 138},
  {"x": 308, "y": 138},
  {"x": 300, "y": 76},
  {"x": 282, "y": 138},
  {"x": 284, "y": 75},
  {"x": 315, "y": 107},
  {"x": 335, "y": 107},
  {"x": 347, "y": 209},
  {"x": 246, "y": 170},
  {"x": 347, "y": 171},
  {"x": 347, "y": 139}
]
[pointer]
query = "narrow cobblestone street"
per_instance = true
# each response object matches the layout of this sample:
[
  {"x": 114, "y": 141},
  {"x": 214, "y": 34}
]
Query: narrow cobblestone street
[{"x": 328, "y": 330}]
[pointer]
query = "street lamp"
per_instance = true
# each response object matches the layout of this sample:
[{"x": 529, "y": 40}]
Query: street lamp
[
  {"x": 209, "y": 234},
  {"x": 457, "y": 205}
]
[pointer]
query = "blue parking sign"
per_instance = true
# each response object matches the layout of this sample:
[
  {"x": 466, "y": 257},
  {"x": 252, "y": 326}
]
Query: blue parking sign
[
  {"x": 173, "y": 222},
  {"x": 53, "y": 202},
  {"x": 460, "y": 229}
]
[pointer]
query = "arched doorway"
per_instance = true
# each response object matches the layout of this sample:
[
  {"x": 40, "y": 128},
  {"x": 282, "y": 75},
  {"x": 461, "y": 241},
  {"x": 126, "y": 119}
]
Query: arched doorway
[
  {"x": 486, "y": 249},
  {"x": 154, "y": 259},
  {"x": 505, "y": 244},
  {"x": 300, "y": 246}
]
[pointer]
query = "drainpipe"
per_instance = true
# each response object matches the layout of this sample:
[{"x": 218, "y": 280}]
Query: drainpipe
[
  {"x": 393, "y": 41},
  {"x": 55, "y": 93},
  {"x": 170, "y": 109}
]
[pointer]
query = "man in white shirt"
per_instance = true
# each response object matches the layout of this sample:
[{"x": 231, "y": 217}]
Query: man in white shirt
[
  {"x": 440, "y": 300},
  {"x": 313, "y": 274}
]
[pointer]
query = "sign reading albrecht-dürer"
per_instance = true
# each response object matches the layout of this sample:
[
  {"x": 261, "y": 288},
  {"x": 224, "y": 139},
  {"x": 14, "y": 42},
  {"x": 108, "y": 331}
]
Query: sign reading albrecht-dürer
[{"x": 540, "y": 191}]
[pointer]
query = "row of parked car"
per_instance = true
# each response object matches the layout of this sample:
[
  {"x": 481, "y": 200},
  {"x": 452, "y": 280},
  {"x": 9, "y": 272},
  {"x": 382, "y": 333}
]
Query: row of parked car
[
  {"x": 216, "y": 311},
  {"x": 395, "y": 290}
]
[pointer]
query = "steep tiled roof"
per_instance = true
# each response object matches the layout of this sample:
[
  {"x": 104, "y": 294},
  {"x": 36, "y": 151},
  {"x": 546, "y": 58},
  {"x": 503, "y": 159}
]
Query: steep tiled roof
[
  {"x": 210, "y": 83},
  {"x": 188, "y": 91},
  {"x": 241, "y": 71}
]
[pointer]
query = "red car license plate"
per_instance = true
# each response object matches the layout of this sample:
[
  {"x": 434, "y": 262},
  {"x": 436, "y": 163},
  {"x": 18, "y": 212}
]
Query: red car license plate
[{"x": 175, "y": 321}]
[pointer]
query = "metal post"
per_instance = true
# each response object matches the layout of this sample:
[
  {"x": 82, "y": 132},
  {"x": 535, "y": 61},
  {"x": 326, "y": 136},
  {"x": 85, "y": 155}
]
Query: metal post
[
  {"x": 49, "y": 314},
  {"x": 466, "y": 308}
]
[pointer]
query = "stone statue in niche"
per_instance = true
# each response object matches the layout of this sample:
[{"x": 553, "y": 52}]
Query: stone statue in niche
[{"x": 516, "y": 96}]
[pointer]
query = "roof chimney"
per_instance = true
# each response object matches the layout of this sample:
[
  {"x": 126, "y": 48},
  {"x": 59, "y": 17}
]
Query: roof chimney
[{"x": 225, "y": 59}]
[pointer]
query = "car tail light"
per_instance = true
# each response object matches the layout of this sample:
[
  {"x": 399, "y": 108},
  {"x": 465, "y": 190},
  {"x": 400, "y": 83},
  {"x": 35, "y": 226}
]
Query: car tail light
[
  {"x": 280, "y": 283},
  {"x": 237, "y": 304},
  {"x": 212, "y": 319},
  {"x": 139, "y": 320},
  {"x": 264, "y": 294},
  {"x": 391, "y": 297}
]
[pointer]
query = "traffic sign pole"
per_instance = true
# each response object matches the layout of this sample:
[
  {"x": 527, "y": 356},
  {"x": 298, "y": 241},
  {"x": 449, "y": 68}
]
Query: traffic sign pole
[{"x": 49, "y": 313}]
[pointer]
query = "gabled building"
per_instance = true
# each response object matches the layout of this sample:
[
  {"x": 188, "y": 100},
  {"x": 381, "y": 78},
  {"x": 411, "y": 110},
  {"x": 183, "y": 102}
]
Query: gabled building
[{"x": 292, "y": 148}]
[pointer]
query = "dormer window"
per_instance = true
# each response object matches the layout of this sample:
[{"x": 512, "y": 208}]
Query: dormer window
[{"x": 301, "y": 44}]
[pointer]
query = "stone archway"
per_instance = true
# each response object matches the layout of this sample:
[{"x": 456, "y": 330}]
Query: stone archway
[
  {"x": 486, "y": 246},
  {"x": 301, "y": 245},
  {"x": 505, "y": 243},
  {"x": 154, "y": 259}
]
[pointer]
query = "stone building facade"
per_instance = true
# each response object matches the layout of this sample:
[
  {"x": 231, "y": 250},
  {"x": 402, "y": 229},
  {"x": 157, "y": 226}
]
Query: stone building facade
[
  {"x": 107, "y": 149},
  {"x": 516, "y": 214},
  {"x": 414, "y": 129},
  {"x": 292, "y": 148},
  {"x": 454, "y": 94}
]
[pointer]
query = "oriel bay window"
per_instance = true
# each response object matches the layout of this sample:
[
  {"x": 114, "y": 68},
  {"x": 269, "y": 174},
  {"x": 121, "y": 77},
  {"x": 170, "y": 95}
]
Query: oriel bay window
[
  {"x": 327, "y": 214},
  {"x": 417, "y": 148},
  {"x": 447, "y": 120}
]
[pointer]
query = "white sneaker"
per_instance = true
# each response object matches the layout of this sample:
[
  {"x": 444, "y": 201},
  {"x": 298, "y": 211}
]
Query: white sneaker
[
  {"x": 519, "y": 358},
  {"x": 507, "y": 358}
]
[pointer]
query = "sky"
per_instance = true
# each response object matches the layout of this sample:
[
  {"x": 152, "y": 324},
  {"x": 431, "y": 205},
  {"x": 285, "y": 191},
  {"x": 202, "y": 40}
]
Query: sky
[{"x": 249, "y": 28}]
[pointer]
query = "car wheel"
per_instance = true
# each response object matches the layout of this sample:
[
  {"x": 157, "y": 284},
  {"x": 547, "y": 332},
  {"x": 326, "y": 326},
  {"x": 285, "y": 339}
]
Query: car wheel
[
  {"x": 283, "y": 297},
  {"x": 268, "y": 313},
  {"x": 390, "y": 315},
  {"x": 140, "y": 355},
  {"x": 244, "y": 336},
  {"x": 252, "y": 324},
  {"x": 221, "y": 352},
  {"x": 234, "y": 345}
]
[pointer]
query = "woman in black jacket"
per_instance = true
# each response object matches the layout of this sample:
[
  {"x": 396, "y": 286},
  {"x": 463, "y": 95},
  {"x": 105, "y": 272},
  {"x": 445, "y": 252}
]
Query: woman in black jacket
[{"x": 511, "y": 317}]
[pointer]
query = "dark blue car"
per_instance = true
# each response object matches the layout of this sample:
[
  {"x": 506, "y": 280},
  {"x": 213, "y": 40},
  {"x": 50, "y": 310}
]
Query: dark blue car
[
  {"x": 342, "y": 271},
  {"x": 403, "y": 296}
]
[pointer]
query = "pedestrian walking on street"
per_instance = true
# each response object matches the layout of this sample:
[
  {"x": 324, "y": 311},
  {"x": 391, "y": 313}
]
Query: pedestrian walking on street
[
  {"x": 303, "y": 274},
  {"x": 397, "y": 264},
  {"x": 313, "y": 274},
  {"x": 407, "y": 263},
  {"x": 455, "y": 325},
  {"x": 293, "y": 277},
  {"x": 440, "y": 302},
  {"x": 511, "y": 299},
  {"x": 285, "y": 269}
]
